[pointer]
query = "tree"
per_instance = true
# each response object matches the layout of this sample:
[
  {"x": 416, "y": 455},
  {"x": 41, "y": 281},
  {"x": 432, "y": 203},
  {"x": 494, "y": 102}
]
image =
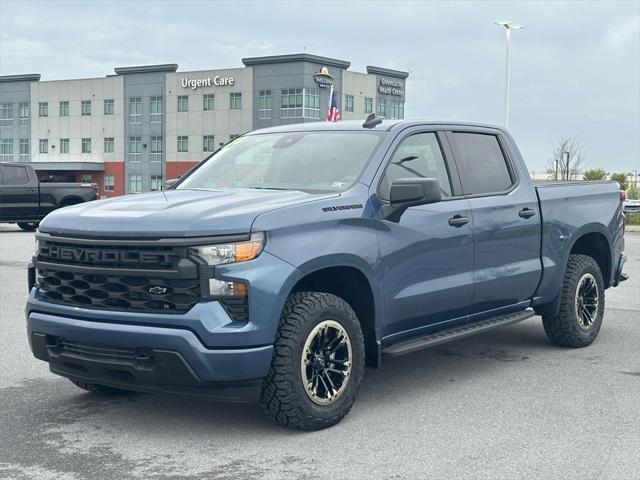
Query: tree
[
  {"x": 568, "y": 158},
  {"x": 594, "y": 174},
  {"x": 621, "y": 178},
  {"x": 633, "y": 193}
]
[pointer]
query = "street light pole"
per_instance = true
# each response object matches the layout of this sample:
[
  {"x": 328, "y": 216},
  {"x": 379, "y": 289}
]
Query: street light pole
[{"x": 508, "y": 27}]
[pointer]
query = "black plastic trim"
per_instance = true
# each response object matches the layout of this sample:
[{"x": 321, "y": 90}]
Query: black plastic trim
[{"x": 147, "y": 242}]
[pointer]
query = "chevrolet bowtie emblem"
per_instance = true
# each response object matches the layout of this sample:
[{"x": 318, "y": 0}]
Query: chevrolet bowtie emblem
[{"x": 157, "y": 290}]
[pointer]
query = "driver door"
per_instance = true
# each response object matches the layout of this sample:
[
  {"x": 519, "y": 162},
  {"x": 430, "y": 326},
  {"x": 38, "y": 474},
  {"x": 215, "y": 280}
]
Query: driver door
[{"x": 427, "y": 257}]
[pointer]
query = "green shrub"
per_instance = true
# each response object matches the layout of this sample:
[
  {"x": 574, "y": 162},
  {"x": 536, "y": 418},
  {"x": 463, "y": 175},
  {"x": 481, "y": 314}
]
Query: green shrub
[{"x": 632, "y": 219}]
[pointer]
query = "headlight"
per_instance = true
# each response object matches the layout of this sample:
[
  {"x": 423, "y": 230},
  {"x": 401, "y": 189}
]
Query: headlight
[
  {"x": 231, "y": 252},
  {"x": 36, "y": 248}
]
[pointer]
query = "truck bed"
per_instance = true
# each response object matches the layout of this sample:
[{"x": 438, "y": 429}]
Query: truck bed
[{"x": 567, "y": 210}]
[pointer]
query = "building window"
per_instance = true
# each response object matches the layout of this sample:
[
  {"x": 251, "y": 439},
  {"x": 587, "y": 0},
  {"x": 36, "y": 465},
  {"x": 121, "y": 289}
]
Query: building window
[
  {"x": 86, "y": 145},
  {"x": 43, "y": 145},
  {"x": 108, "y": 144},
  {"x": 156, "y": 149},
  {"x": 311, "y": 103},
  {"x": 291, "y": 103},
  {"x": 135, "y": 183},
  {"x": 109, "y": 183},
  {"x": 6, "y": 150},
  {"x": 86, "y": 107},
  {"x": 85, "y": 178},
  {"x": 43, "y": 109},
  {"x": 156, "y": 109},
  {"x": 264, "y": 104},
  {"x": 183, "y": 103},
  {"x": 208, "y": 143},
  {"x": 368, "y": 105},
  {"x": 156, "y": 183},
  {"x": 64, "y": 109},
  {"x": 348, "y": 103},
  {"x": 135, "y": 148},
  {"x": 24, "y": 150},
  {"x": 235, "y": 101},
  {"x": 135, "y": 110},
  {"x": 208, "y": 102},
  {"x": 64, "y": 145},
  {"x": 397, "y": 110},
  {"x": 381, "y": 108},
  {"x": 6, "y": 115},
  {"x": 108, "y": 107},
  {"x": 183, "y": 143},
  {"x": 24, "y": 114}
]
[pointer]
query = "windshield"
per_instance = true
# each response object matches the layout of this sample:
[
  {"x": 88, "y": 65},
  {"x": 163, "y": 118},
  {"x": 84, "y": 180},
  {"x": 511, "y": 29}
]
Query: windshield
[{"x": 307, "y": 161}]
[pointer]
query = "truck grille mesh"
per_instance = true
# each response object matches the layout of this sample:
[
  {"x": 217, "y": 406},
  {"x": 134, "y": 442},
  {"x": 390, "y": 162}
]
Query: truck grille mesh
[{"x": 116, "y": 292}]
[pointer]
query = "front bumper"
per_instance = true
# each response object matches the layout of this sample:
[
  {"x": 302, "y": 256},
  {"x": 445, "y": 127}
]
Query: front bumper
[{"x": 145, "y": 358}]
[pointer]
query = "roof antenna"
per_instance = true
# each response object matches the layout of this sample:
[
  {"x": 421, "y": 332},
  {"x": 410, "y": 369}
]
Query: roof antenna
[{"x": 371, "y": 121}]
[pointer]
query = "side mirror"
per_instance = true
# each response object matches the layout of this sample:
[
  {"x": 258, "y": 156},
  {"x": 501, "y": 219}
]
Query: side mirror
[
  {"x": 169, "y": 183},
  {"x": 409, "y": 192}
]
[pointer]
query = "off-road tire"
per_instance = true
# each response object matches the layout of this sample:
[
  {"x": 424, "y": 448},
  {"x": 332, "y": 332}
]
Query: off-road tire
[
  {"x": 283, "y": 396},
  {"x": 28, "y": 226},
  {"x": 564, "y": 329},
  {"x": 96, "y": 389}
]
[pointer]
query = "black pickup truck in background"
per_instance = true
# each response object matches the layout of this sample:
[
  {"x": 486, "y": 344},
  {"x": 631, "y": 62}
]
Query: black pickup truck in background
[{"x": 26, "y": 201}]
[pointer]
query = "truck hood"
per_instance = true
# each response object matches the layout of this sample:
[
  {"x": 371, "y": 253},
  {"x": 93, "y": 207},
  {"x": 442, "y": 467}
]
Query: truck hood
[{"x": 172, "y": 213}]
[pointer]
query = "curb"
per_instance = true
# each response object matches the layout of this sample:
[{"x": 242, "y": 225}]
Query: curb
[{"x": 632, "y": 228}]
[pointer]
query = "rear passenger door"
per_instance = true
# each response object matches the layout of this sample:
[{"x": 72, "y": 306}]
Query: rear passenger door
[{"x": 506, "y": 222}]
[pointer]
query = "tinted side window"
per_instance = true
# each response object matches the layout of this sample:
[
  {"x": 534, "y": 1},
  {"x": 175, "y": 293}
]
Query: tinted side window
[
  {"x": 14, "y": 175},
  {"x": 418, "y": 156},
  {"x": 483, "y": 168}
]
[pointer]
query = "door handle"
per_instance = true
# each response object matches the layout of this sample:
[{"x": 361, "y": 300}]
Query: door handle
[
  {"x": 526, "y": 213},
  {"x": 32, "y": 190},
  {"x": 458, "y": 221}
]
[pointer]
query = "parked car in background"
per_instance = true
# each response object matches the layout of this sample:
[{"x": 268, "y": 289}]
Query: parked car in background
[
  {"x": 25, "y": 201},
  {"x": 297, "y": 254},
  {"x": 631, "y": 206}
]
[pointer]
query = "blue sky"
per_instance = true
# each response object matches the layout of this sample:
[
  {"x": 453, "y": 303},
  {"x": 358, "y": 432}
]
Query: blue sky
[{"x": 575, "y": 70}]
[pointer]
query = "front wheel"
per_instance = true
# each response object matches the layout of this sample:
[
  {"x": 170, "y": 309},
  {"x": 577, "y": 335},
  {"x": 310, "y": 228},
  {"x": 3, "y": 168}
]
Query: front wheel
[
  {"x": 581, "y": 305},
  {"x": 317, "y": 365},
  {"x": 28, "y": 226}
]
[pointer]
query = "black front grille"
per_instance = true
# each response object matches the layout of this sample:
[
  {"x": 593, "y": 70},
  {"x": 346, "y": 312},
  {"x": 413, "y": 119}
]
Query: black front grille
[
  {"x": 146, "y": 257},
  {"x": 118, "y": 292}
]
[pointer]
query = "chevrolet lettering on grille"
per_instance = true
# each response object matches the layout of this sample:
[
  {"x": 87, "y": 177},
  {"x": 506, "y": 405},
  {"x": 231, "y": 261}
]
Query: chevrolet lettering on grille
[{"x": 76, "y": 254}]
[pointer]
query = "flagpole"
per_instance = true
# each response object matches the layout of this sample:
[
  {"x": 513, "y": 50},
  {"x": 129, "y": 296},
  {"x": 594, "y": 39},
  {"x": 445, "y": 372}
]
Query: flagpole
[{"x": 330, "y": 100}]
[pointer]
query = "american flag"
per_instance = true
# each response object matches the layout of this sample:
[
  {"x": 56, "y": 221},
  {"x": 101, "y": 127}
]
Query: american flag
[{"x": 334, "y": 113}]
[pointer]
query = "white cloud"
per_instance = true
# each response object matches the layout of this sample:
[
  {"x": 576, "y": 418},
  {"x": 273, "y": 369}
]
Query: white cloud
[{"x": 623, "y": 33}]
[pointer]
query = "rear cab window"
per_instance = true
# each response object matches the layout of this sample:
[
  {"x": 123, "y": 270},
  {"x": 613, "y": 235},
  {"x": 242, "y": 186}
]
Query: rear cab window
[{"x": 481, "y": 162}]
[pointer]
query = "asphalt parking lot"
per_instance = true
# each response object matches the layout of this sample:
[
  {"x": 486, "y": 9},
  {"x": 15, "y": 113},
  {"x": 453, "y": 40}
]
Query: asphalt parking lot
[{"x": 502, "y": 405}]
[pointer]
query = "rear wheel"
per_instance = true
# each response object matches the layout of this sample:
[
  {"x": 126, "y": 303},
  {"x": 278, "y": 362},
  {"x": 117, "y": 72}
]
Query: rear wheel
[
  {"x": 581, "y": 305},
  {"x": 28, "y": 226},
  {"x": 317, "y": 365},
  {"x": 97, "y": 389}
]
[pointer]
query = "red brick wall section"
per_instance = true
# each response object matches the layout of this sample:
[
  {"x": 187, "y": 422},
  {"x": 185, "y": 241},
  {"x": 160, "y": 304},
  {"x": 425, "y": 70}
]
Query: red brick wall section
[
  {"x": 117, "y": 170},
  {"x": 177, "y": 169}
]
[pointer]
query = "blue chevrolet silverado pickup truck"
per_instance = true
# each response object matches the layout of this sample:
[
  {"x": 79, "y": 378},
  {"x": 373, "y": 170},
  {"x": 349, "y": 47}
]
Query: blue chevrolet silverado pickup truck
[{"x": 294, "y": 256}]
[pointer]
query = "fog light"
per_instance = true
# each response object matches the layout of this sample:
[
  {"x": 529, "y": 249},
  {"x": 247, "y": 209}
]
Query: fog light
[{"x": 222, "y": 288}]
